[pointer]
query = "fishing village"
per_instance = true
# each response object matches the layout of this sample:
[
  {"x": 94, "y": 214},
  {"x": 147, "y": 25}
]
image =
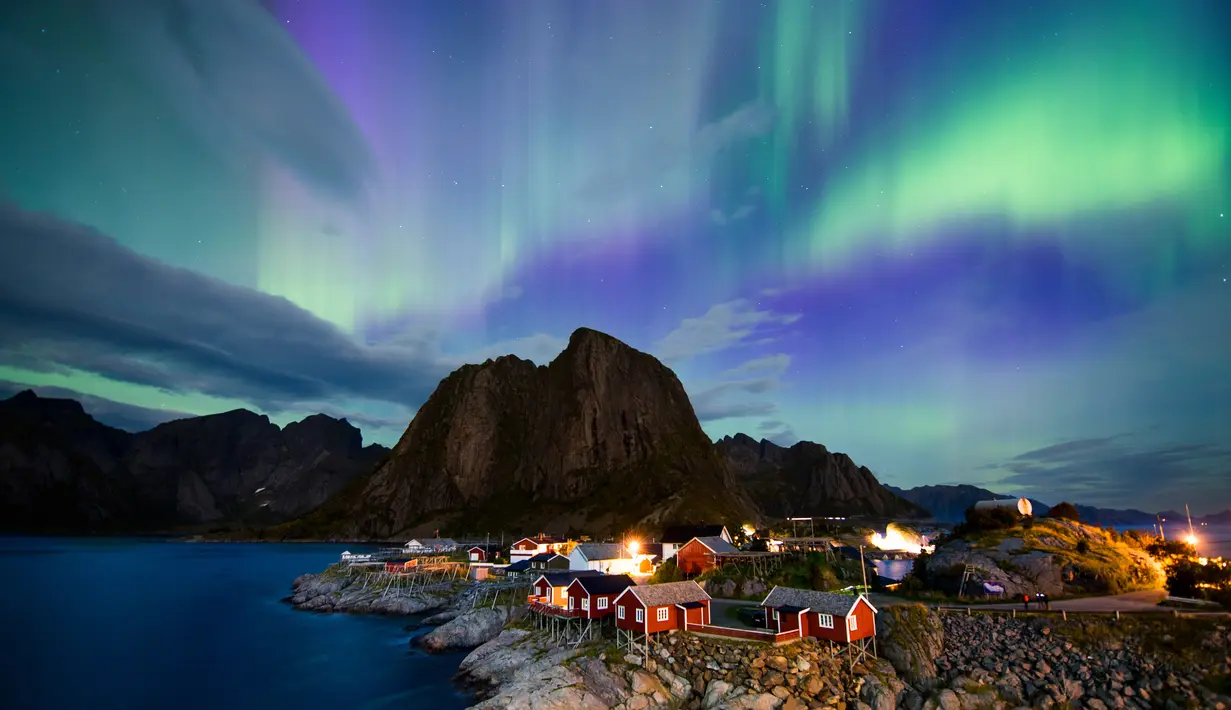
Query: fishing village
[{"x": 797, "y": 616}]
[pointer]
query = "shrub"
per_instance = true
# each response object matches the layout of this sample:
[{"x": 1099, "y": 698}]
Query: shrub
[
  {"x": 1083, "y": 546},
  {"x": 666, "y": 572},
  {"x": 1065, "y": 511},
  {"x": 981, "y": 519}
]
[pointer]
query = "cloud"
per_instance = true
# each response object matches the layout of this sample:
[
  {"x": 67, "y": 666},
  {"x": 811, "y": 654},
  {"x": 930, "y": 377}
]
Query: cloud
[
  {"x": 1123, "y": 470},
  {"x": 748, "y": 121},
  {"x": 128, "y": 417},
  {"x": 778, "y": 432},
  {"x": 711, "y": 407},
  {"x": 774, "y": 365},
  {"x": 723, "y": 326},
  {"x": 239, "y": 79},
  {"x": 71, "y": 297}
]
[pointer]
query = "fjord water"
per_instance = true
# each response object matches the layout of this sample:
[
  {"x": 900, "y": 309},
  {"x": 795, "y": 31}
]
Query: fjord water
[{"x": 137, "y": 624}]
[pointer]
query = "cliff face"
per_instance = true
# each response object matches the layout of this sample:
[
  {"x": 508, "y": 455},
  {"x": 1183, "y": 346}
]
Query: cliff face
[
  {"x": 601, "y": 438},
  {"x": 61, "y": 470},
  {"x": 807, "y": 479}
]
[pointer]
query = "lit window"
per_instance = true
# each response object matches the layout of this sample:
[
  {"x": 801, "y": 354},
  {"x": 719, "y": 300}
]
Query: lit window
[
  {"x": 602, "y": 602},
  {"x": 640, "y": 615},
  {"x": 854, "y": 623},
  {"x": 825, "y": 621},
  {"x": 619, "y": 612},
  {"x": 585, "y": 603},
  {"x": 663, "y": 613}
]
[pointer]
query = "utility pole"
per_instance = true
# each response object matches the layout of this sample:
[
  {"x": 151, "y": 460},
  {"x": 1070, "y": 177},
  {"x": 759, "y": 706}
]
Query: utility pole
[{"x": 864, "y": 569}]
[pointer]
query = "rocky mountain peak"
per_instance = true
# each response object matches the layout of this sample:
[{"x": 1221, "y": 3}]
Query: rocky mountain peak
[{"x": 603, "y": 436}]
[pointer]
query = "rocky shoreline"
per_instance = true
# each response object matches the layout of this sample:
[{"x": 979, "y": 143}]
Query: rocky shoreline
[{"x": 927, "y": 661}]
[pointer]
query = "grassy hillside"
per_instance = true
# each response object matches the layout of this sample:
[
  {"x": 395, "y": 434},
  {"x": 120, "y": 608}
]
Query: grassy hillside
[{"x": 1090, "y": 560}]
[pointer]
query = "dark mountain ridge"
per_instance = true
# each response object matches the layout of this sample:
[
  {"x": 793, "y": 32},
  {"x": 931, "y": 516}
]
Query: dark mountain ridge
[
  {"x": 809, "y": 480},
  {"x": 63, "y": 471},
  {"x": 948, "y": 504},
  {"x": 601, "y": 439}
]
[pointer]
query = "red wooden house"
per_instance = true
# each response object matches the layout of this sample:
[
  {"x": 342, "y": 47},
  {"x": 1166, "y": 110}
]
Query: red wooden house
[
  {"x": 594, "y": 595},
  {"x": 551, "y": 588},
  {"x": 478, "y": 553},
  {"x": 840, "y": 618},
  {"x": 701, "y": 553},
  {"x": 653, "y": 608}
]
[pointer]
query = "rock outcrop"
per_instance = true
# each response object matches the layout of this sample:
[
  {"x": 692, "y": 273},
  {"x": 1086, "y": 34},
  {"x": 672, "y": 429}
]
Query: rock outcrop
[
  {"x": 911, "y": 637},
  {"x": 470, "y": 629},
  {"x": 63, "y": 471},
  {"x": 1052, "y": 556},
  {"x": 335, "y": 592},
  {"x": 602, "y": 438},
  {"x": 807, "y": 479}
]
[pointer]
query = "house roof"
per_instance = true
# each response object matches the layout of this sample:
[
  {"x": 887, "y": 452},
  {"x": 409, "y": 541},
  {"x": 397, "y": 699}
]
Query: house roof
[
  {"x": 668, "y": 594},
  {"x": 543, "y": 540},
  {"x": 433, "y": 542},
  {"x": 680, "y": 534},
  {"x": 716, "y": 545},
  {"x": 821, "y": 602},
  {"x": 604, "y": 583},
  {"x": 545, "y": 556},
  {"x": 518, "y": 566},
  {"x": 594, "y": 551},
  {"x": 563, "y": 578},
  {"x": 788, "y": 609}
]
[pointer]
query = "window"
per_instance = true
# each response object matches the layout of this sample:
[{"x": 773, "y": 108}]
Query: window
[
  {"x": 663, "y": 613},
  {"x": 563, "y": 596},
  {"x": 825, "y": 621},
  {"x": 619, "y": 612},
  {"x": 572, "y": 603},
  {"x": 585, "y": 603},
  {"x": 775, "y": 614},
  {"x": 602, "y": 602},
  {"x": 640, "y": 615},
  {"x": 854, "y": 623}
]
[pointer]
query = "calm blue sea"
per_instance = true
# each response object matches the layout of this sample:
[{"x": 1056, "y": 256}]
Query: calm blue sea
[{"x": 136, "y": 624}]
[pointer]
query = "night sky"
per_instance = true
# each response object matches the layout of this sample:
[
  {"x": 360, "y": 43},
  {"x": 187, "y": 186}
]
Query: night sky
[{"x": 976, "y": 242}]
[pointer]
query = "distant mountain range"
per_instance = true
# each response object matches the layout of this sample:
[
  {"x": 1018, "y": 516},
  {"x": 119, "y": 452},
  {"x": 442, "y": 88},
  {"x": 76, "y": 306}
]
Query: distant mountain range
[
  {"x": 600, "y": 440},
  {"x": 948, "y": 504},
  {"x": 63, "y": 471}
]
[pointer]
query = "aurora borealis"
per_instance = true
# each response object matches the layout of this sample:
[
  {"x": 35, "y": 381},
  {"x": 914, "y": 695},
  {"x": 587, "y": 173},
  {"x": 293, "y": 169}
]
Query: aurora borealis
[{"x": 961, "y": 241}]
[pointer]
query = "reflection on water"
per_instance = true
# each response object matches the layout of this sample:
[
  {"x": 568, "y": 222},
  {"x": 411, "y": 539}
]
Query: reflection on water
[{"x": 893, "y": 569}]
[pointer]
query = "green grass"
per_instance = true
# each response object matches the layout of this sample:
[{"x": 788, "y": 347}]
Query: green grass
[{"x": 1104, "y": 562}]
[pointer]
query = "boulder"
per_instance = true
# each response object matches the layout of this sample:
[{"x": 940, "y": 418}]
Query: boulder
[
  {"x": 473, "y": 628},
  {"x": 911, "y": 637}
]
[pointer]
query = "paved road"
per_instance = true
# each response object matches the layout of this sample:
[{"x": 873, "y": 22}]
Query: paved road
[{"x": 1130, "y": 602}]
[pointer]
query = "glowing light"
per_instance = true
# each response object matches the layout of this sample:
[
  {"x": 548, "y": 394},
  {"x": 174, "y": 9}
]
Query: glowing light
[
  {"x": 749, "y": 530},
  {"x": 898, "y": 540},
  {"x": 633, "y": 546},
  {"x": 1191, "y": 540}
]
